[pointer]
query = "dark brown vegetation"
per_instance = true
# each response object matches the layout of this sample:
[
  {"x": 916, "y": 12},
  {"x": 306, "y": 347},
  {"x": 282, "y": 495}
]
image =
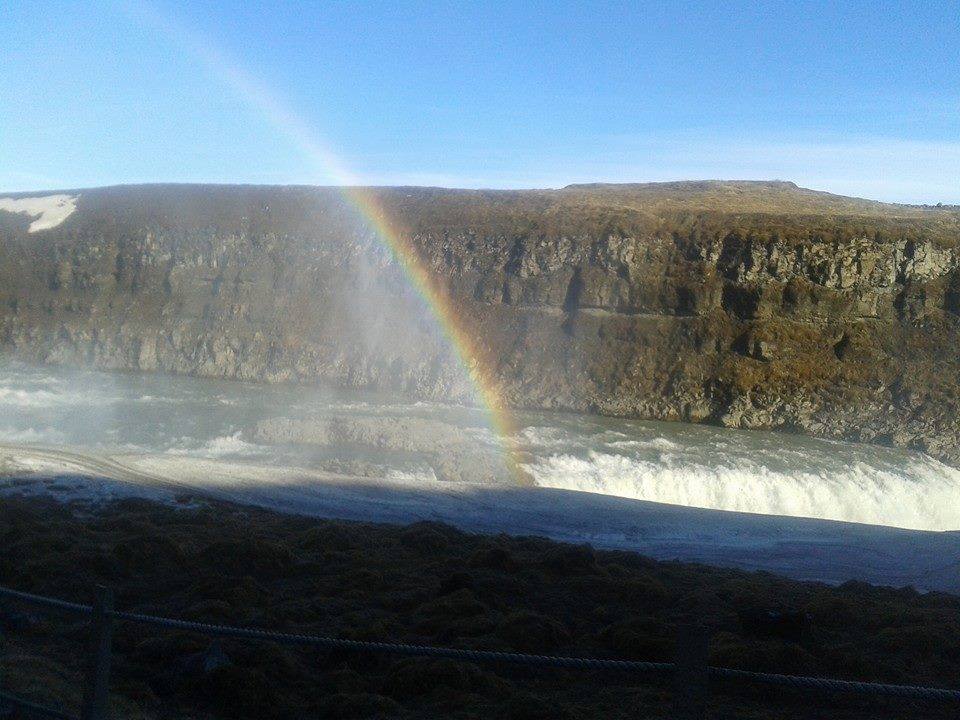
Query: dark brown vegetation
[
  {"x": 758, "y": 210},
  {"x": 431, "y": 584}
]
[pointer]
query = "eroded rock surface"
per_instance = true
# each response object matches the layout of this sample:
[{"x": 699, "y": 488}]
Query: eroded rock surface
[
  {"x": 450, "y": 451},
  {"x": 755, "y": 305}
]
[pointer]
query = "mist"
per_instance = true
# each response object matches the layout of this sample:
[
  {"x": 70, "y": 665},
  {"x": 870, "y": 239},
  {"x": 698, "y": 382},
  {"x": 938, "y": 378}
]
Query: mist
[{"x": 173, "y": 427}]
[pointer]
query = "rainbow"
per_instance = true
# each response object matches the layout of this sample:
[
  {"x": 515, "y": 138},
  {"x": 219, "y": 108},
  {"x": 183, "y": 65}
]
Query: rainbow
[
  {"x": 295, "y": 129},
  {"x": 500, "y": 420},
  {"x": 441, "y": 306}
]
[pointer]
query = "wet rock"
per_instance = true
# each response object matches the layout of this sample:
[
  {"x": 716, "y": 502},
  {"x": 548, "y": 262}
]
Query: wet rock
[
  {"x": 450, "y": 451},
  {"x": 620, "y": 300}
]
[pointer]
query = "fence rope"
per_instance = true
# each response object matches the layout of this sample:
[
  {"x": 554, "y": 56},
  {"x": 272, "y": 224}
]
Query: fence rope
[
  {"x": 45, "y": 601},
  {"x": 805, "y": 682},
  {"x": 720, "y": 673},
  {"x": 398, "y": 648}
]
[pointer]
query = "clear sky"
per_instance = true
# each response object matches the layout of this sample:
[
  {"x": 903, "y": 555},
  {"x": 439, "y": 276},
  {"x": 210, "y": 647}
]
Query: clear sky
[{"x": 856, "y": 98}]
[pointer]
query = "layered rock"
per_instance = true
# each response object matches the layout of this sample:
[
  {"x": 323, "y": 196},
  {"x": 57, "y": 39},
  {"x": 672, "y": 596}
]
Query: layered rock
[{"x": 757, "y": 305}]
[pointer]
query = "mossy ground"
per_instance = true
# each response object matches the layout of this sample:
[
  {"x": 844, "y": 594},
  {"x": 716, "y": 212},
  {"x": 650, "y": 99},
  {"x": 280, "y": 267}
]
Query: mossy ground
[{"x": 431, "y": 584}]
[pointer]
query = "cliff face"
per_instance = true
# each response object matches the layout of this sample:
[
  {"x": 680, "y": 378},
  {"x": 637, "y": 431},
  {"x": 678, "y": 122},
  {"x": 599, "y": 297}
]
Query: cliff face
[{"x": 755, "y": 305}]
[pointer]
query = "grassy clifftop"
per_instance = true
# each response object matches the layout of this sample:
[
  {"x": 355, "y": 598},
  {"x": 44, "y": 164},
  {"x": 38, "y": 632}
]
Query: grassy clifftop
[
  {"x": 761, "y": 208},
  {"x": 587, "y": 209}
]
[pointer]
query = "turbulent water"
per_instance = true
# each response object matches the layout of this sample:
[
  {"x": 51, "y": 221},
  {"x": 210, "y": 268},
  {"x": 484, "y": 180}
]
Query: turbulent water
[{"x": 104, "y": 413}]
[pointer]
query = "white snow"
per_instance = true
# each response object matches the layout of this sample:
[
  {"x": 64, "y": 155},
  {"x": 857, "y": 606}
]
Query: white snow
[{"x": 48, "y": 210}]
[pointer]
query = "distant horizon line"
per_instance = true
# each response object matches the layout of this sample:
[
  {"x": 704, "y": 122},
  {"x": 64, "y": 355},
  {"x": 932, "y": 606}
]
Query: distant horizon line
[{"x": 376, "y": 186}]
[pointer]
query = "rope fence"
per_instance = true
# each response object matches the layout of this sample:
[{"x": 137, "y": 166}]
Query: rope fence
[{"x": 690, "y": 672}]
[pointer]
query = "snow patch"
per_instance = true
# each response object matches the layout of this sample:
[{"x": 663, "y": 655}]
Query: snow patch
[{"x": 48, "y": 210}]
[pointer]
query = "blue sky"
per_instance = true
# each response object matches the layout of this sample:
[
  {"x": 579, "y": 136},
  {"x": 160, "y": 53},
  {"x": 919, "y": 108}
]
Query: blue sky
[{"x": 856, "y": 98}]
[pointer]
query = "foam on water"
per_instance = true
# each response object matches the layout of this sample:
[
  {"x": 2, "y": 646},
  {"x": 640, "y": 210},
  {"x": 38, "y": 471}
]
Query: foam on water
[
  {"x": 39, "y": 398},
  {"x": 222, "y": 446},
  {"x": 31, "y": 435},
  {"x": 544, "y": 437},
  {"x": 180, "y": 419},
  {"x": 658, "y": 443},
  {"x": 921, "y": 493}
]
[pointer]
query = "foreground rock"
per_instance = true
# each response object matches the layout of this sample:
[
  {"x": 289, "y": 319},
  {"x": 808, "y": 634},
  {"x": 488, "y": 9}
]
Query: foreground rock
[
  {"x": 755, "y": 305},
  {"x": 445, "y": 448}
]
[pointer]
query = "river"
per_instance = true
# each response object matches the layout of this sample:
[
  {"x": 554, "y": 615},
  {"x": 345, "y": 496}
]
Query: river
[{"x": 194, "y": 419}]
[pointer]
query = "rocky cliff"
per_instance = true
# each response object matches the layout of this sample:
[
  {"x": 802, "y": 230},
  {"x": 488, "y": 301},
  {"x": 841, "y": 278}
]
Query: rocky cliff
[{"x": 758, "y": 305}]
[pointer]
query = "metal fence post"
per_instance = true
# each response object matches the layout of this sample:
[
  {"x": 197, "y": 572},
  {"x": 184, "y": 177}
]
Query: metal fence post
[
  {"x": 96, "y": 691},
  {"x": 5, "y": 710},
  {"x": 691, "y": 681}
]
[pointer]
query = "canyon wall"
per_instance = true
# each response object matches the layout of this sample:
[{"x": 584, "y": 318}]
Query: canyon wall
[{"x": 755, "y": 305}]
